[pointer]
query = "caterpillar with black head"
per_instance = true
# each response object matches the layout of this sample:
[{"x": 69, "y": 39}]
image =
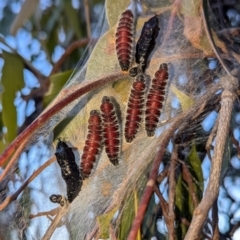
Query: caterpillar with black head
[
  {"x": 155, "y": 99},
  {"x": 93, "y": 143},
  {"x": 69, "y": 169},
  {"x": 111, "y": 135},
  {"x": 124, "y": 39},
  {"x": 135, "y": 108},
  {"x": 146, "y": 42}
]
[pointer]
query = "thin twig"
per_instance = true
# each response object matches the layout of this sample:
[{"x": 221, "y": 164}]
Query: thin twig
[
  {"x": 162, "y": 175},
  {"x": 67, "y": 97},
  {"x": 210, "y": 139},
  {"x": 67, "y": 53},
  {"x": 162, "y": 202},
  {"x": 62, "y": 211},
  {"x": 170, "y": 220},
  {"x": 200, "y": 214},
  {"x": 13, "y": 197},
  {"x": 47, "y": 213}
]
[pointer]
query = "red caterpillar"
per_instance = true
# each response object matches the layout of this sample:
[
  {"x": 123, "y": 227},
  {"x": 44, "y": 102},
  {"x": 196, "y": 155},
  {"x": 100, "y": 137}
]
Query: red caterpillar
[
  {"x": 111, "y": 135},
  {"x": 92, "y": 143},
  {"x": 155, "y": 99},
  {"x": 124, "y": 39},
  {"x": 135, "y": 108}
]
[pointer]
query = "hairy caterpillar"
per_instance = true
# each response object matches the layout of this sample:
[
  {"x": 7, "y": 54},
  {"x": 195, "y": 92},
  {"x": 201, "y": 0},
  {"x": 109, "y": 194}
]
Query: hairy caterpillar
[
  {"x": 111, "y": 135},
  {"x": 93, "y": 143},
  {"x": 155, "y": 99},
  {"x": 124, "y": 39},
  {"x": 135, "y": 108}
]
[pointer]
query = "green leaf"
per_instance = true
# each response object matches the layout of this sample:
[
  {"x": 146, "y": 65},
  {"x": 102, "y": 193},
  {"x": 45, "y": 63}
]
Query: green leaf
[
  {"x": 185, "y": 100},
  {"x": 196, "y": 167},
  {"x": 181, "y": 206},
  {"x": 127, "y": 217},
  {"x": 104, "y": 222},
  {"x": 12, "y": 81},
  {"x": 57, "y": 82}
]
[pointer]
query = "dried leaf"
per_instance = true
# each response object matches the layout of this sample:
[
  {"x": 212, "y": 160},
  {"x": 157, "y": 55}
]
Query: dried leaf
[{"x": 185, "y": 101}]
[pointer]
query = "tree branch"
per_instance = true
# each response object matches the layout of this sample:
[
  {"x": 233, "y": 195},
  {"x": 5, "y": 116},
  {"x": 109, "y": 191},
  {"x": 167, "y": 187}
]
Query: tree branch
[
  {"x": 68, "y": 96},
  {"x": 13, "y": 197},
  {"x": 68, "y": 51},
  {"x": 201, "y": 212}
]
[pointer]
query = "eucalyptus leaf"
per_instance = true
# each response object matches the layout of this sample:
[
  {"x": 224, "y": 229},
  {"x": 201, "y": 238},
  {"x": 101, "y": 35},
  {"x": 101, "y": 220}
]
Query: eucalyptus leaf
[
  {"x": 57, "y": 82},
  {"x": 12, "y": 81}
]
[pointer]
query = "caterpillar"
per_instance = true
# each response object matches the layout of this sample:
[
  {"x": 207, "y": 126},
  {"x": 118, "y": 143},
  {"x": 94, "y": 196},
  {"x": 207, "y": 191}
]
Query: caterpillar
[
  {"x": 93, "y": 143},
  {"x": 111, "y": 135},
  {"x": 70, "y": 172},
  {"x": 155, "y": 99},
  {"x": 135, "y": 108},
  {"x": 124, "y": 39},
  {"x": 146, "y": 42}
]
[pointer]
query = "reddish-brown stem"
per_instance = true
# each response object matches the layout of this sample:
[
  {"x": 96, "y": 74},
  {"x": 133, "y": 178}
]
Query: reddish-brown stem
[
  {"x": 70, "y": 96},
  {"x": 13, "y": 197},
  {"x": 69, "y": 50},
  {"x": 187, "y": 177},
  {"x": 162, "y": 202}
]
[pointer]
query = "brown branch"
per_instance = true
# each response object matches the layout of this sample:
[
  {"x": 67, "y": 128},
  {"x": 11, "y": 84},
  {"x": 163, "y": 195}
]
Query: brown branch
[
  {"x": 62, "y": 211},
  {"x": 51, "y": 213},
  {"x": 170, "y": 220},
  {"x": 67, "y": 53},
  {"x": 67, "y": 97},
  {"x": 185, "y": 221},
  {"x": 187, "y": 177},
  {"x": 201, "y": 212},
  {"x": 162, "y": 175},
  {"x": 215, "y": 221},
  {"x": 162, "y": 202},
  {"x": 165, "y": 137},
  {"x": 210, "y": 140},
  {"x": 13, "y": 197}
]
